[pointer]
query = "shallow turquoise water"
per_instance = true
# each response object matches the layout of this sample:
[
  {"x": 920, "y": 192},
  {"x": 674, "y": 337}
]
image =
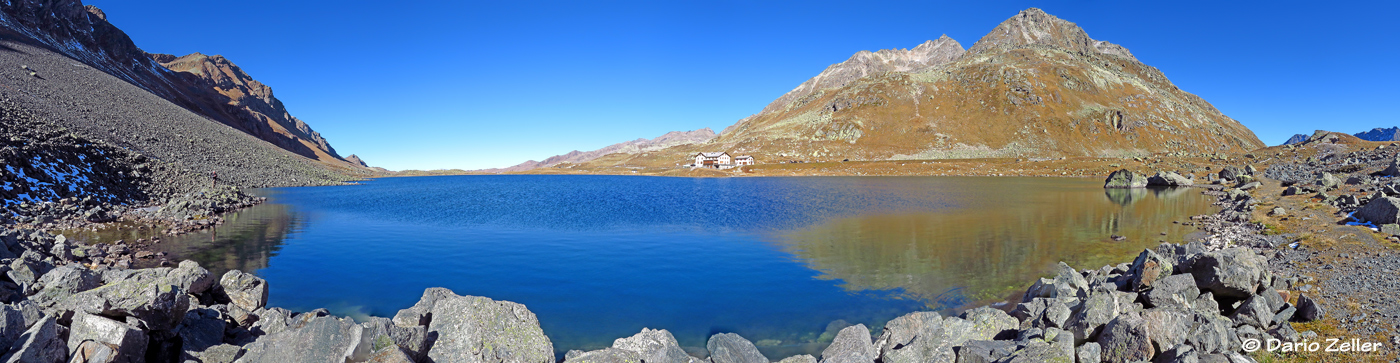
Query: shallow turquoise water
[{"x": 600, "y": 257}]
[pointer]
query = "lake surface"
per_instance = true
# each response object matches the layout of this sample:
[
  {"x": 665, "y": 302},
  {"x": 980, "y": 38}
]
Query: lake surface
[{"x": 780, "y": 261}]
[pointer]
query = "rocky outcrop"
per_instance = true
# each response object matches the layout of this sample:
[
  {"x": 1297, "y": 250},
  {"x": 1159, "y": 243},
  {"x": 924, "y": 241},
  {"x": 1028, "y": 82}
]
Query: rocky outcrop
[
  {"x": 221, "y": 90},
  {"x": 1125, "y": 179},
  {"x": 1033, "y": 27},
  {"x": 930, "y": 54}
]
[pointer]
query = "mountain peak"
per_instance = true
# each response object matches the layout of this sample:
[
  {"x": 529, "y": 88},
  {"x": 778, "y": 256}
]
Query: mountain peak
[
  {"x": 1036, "y": 27},
  {"x": 865, "y": 63}
]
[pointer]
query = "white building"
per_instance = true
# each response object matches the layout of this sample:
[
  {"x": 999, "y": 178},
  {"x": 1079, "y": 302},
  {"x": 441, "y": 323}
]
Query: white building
[
  {"x": 719, "y": 160},
  {"x": 743, "y": 160}
]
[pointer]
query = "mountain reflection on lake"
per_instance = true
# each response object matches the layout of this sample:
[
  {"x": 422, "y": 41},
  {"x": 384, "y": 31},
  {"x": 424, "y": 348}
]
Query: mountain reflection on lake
[
  {"x": 781, "y": 261},
  {"x": 991, "y": 247}
]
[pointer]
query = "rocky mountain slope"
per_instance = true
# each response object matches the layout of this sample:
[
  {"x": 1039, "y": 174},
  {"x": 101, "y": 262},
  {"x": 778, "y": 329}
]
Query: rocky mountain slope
[
  {"x": 233, "y": 97},
  {"x": 638, "y": 146},
  {"x": 87, "y": 101},
  {"x": 1035, "y": 86},
  {"x": 208, "y": 86}
]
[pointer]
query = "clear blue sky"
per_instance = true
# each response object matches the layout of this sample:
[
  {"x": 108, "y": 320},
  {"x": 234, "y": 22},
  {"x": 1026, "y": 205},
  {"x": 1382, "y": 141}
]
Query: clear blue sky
[{"x": 447, "y": 84}]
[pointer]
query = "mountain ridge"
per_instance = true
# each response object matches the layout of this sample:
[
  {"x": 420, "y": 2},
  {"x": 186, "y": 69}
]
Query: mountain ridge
[
  {"x": 83, "y": 33},
  {"x": 1034, "y": 86},
  {"x": 640, "y": 145}
]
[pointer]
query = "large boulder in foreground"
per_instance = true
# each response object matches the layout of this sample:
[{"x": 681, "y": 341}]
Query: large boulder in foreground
[
  {"x": 40, "y": 344},
  {"x": 151, "y": 296},
  {"x": 473, "y": 329},
  {"x": 244, "y": 289},
  {"x": 852, "y": 345},
  {"x": 1383, "y": 210},
  {"x": 655, "y": 346},
  {"x": 732, "y": 348},
  {"x": 1168, "y": 179},
  {"x": 1125, "y": 178},
  {"x": 322, "y": 339},
  {"x": 606, "y": 355},
  {"x": 1125, "y": 339},
  {"x": 1234, "y": 272},
  {"x": 923, "y": 337},
  {"x": 127, "y": 343}
]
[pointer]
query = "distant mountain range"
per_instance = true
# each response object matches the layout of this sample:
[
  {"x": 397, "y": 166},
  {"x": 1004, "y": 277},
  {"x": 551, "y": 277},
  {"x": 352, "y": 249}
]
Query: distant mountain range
[
  {"x": 1035, "y": 86},
  {"x": 670, "y": 139},
  {"x": 1376, "y": 134}
]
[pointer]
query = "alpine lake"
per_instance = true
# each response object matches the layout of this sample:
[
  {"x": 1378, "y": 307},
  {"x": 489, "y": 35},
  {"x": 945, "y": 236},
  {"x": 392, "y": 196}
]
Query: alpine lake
[{"x": 784, "y": 262}]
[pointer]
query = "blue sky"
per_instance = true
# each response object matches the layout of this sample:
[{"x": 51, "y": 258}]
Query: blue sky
[{"x": 446, "y": 84}]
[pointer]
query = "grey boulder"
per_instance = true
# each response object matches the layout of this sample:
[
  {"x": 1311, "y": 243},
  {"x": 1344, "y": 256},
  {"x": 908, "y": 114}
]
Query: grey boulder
[
  {"x": 1147, "y": 269},
  {"x": 732, "y": 348},
  {"x": 923, "y": 337},
  {"x": 1174, "y": 291},
  {"x": 126, "y": 343},
  {"x": 606, "y": 355},
  {"x": 244, "y": 289},
  {"x": 1168, "y": 179},
  {"x": 412, "y": 340},
  {"x": 1232, "y": 272},
  {"x": 62, "y": 282},
  {"x": 852, "y": 345},
  {"x": 1125, "y": 178},
  {"x": 1125, "y": 339},
  {"x": 321, "y": 339},
  {"x": 39, "y": 344},
  {"x": 475, "y": 329},
  {"x": 1308, "y": 310},
  {"x": 1384, "y": 210},
  {"x": 158, "y": 302},
  {"x": 655, "y": 346}
]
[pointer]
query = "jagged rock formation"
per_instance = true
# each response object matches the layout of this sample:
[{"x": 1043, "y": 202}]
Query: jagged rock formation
[
  {"x": 1380, "y": 134},
  {"x": 1296, "y": 139},
  {"x": 670, "y": 139},
  {"x": 209, "y": 86},
  {"x": 1035, "y": 86},
  {"x": 227, "y": 94},
  {"x": 354, "y": 159},
  {"x": 866, "y": 63}
]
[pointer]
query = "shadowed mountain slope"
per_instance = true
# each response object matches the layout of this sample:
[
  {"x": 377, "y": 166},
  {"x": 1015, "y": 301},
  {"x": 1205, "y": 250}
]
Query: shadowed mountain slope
[
  {"x": 96, "y": 99},
  {"x": 209, "y": 86}
]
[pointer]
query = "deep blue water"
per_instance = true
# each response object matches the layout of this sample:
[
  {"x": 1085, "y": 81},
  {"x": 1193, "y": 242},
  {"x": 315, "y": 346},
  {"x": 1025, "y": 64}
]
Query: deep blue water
[{"x": 599, "y": 257}]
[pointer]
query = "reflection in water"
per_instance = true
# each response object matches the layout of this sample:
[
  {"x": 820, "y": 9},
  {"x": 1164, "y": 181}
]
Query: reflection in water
[
  {"x": 991, "y": 249},
  {"x": 246, "y": 241},
  {"x": 1125, "y": 196}
]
